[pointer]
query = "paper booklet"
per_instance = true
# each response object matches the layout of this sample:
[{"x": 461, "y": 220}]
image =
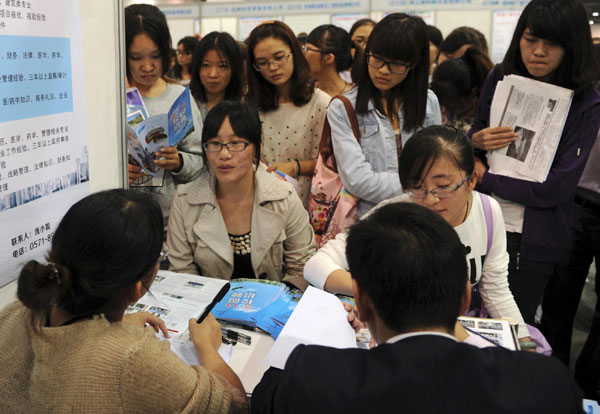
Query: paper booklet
[
  {"x": 177, "y": 297},
  {"x": 258, "y": 304},
  {"x": 537, "y": 111},
  {"x": 498, "y": 331},
  {"x": 147, "y": 135}
]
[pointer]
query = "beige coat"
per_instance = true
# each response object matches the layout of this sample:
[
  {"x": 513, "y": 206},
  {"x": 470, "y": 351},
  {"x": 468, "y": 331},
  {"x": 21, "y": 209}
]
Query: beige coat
[{"x": 282, "y": 239}]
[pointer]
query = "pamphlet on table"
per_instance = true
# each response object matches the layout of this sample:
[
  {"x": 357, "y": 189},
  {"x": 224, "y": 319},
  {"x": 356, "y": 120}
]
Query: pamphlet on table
[
  {"x": 177, "y": 297},
  {"x": 498, "y": 331}
]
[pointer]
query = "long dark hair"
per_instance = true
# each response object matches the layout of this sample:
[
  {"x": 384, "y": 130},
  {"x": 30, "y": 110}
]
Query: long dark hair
[
  {"x": 565, "y": 23},
  {"x": 104, "y": 244},
  {"x": 261, "y": 93},
  {"x": 228, "y": 49},
  {"x": 149, "y": 20},
  {"x": 189, "y": 45},
  {"x": 399, "y": 37}
]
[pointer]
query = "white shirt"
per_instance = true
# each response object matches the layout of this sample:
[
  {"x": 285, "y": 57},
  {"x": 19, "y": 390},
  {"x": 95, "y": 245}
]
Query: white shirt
[
  {"x": 489, "y": 271},
  {"x": 474, "y": 340}
]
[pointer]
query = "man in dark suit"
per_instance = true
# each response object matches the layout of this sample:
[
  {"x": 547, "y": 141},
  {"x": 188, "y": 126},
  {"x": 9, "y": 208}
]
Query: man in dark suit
[{"x": 410, "y": 284}]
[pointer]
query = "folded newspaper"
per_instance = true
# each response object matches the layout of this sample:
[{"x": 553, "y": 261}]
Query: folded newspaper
[{"x": 537, "y": 111}]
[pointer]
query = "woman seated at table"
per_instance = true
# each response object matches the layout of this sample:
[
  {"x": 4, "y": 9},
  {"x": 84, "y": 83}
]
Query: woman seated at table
[
  {"x": 67, "y": 345},
  {"x": 437, "y": 172},
  {"x": 236, "y": 219}
]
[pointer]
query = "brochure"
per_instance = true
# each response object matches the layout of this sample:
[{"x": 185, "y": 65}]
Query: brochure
[
  {"x": 497, "y": 331},
  {"x": 177, "y": 297},
  {"x": 258, "y": 304},
  {"x": 135, "y": 103},
  {"x": 146, "y": 136}
]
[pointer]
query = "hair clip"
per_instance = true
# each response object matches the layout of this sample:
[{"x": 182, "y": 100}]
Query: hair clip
[{"x": 55, "y": 274}]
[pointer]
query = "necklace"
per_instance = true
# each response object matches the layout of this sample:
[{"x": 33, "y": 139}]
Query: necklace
[{"x": 240, "y": 244}]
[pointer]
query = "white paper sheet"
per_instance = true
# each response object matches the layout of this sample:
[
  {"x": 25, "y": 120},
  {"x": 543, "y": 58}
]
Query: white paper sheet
[{"x": 319, "y": 319}]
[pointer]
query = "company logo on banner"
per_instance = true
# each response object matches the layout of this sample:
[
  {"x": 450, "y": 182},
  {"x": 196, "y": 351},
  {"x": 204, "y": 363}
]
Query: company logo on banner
[{"x": 43, "y": 142}]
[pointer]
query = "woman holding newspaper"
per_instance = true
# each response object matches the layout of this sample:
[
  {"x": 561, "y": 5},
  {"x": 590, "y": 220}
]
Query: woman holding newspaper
[
  {"x": 68, "y": 345},
  {"x": 391, "y": 103},
  {"x": 148, "y": 43},
  {"x": 552, "y": 44}
]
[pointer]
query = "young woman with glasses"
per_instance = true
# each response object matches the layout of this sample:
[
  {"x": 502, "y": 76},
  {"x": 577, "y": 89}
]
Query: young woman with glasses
[
  {"x": 437, "y": 172},
  {"x": 238, "y": 220},
  {"x": 71, "y": 348},
  {"x": 148, "y": 42},
  {"x": 552, "y": 43},
  {"x": 182, "y": 70},
  {"x": 391, "y": 102},
  {"x": 292, "y": 111},
  {"x": 330, "y": 51},
  {"x": 217, "y": 71}
]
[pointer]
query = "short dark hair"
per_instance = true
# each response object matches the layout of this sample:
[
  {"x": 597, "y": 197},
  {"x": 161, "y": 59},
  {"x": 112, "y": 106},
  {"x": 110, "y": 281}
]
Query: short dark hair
[
  {"x": 430, "y": 144},
  {"x": 411, "y": 264},
  {"x": 398, "y": 36},
  {"x": 464, "y": 36},
  {"x": 244, "y": 121},
  {"x": 455, "y": 80},
  {"x": 189, "y": 45},
  {"x": 149, "y": 20},
  {"x": 360, "y": 23},
  {"x": 105, "y": 243},
  {"x": 564, "y": 22},
  {"x": 228, "y": 48},
  {"x": 261, "y": 93},
  {"x": 435, "y": 36}
]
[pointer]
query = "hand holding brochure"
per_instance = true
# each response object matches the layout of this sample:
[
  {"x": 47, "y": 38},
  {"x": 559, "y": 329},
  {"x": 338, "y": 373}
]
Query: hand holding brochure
[
  {"x": 497, "y": 331},
  {"x": 177, "y": 297},
  {"x": 147, "y": 136},
  {"x": 537, "y": 111}
]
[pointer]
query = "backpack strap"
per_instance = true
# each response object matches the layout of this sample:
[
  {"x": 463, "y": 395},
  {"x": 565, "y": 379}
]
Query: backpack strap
[
  {"x": 325, "y": 145},
  {"x": 489, "y": 220}
]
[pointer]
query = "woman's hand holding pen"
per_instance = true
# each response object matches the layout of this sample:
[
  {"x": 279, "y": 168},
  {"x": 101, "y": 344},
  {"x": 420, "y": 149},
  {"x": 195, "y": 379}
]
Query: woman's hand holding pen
[
  {"x": 206, "y": 336},
  {"x": 143, "y": 318}
]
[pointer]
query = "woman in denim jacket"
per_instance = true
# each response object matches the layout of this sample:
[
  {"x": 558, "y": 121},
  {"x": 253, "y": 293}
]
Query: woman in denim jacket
[{"x": 391, "y": 102}]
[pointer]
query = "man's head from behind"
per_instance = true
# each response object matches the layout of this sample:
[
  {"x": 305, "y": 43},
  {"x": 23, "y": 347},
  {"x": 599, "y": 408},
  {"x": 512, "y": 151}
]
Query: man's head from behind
[{"x": 411, "y": 265}]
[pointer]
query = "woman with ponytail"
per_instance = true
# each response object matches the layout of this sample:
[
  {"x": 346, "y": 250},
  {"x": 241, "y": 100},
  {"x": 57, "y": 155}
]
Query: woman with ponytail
[
  {"x": 68, "y": 347},
  {"x": 329, "y": 52}
]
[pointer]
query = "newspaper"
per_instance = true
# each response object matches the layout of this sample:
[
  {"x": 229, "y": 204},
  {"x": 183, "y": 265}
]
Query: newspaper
[
  {"x": 177, "y": 297},
  {"x": 537, "y": 111}
]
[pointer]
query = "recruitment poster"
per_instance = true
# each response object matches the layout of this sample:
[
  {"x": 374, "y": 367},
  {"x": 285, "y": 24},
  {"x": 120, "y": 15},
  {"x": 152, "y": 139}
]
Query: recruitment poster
[{"x": 43, "y": 136}]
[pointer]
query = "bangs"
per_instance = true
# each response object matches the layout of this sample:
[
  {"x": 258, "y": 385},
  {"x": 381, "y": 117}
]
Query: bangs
[
  {"x": 543, "y": 23},
  {"x": 402, "y": 41}
]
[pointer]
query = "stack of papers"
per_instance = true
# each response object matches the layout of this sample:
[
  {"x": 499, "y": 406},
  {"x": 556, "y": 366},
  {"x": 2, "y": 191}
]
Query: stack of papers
[
  {"x": 253, "y": 303},
  {"x": 537, "y": 111}
]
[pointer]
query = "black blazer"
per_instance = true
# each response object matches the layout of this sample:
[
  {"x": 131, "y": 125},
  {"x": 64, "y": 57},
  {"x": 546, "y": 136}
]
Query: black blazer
[{"x": 421, "y": 374}]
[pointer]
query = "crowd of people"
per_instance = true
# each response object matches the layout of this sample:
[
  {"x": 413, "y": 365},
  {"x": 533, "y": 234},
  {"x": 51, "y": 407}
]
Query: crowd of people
[{"x": 437, "y": 235}]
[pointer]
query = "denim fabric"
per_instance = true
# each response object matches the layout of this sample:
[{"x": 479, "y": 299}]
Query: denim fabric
[{"x": 370, "y": 170}]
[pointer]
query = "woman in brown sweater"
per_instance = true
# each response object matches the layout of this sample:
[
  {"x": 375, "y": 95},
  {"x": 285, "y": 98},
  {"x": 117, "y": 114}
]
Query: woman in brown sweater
[{"x": 68, "y": 347}]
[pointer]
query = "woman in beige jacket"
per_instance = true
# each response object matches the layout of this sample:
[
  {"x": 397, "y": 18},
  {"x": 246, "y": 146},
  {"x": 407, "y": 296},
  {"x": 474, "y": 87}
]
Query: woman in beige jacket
[{"x": 238, "y": 220}]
